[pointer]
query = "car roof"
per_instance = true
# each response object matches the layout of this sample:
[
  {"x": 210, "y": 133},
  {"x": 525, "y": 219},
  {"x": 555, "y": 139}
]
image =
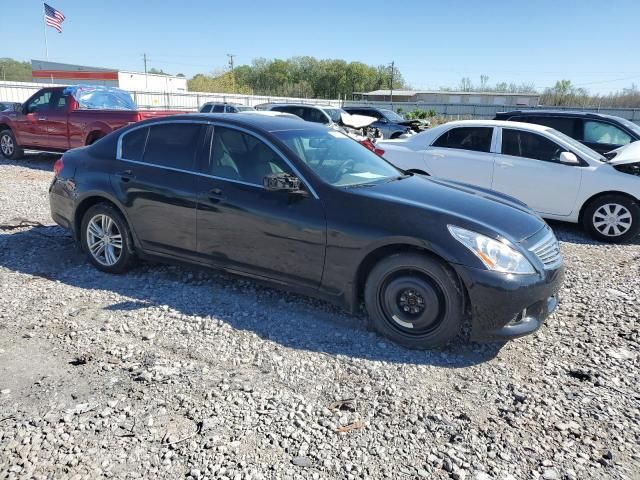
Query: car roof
[
  {"x": 498, "y": 123},
  {"x": 559, "y": 113},
  {"x": 225, "y": 103},
  {"x": 300, "y": 105},
  {"x": 258, "y": 122}
]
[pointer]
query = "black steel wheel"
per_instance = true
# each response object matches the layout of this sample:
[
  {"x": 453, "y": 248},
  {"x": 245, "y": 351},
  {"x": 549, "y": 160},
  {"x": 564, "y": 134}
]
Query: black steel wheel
[{"x": 415, "y": 300}]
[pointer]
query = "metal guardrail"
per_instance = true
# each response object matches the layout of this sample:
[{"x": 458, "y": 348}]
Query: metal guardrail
[
  {"x": 21, "y": 91},
  {"x": 462, "y": 111}
]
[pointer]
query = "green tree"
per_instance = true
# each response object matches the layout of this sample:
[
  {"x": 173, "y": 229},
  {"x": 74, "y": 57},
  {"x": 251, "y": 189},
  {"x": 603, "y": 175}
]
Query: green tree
[{"x": 15, "y": 71}]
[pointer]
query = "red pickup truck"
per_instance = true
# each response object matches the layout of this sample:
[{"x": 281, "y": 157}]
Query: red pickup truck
[{"x": 57, "y": 119}]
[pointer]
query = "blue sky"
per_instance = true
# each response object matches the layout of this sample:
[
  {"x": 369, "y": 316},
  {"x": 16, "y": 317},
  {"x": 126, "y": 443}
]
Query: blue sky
[{"x": 434, "y": 43}]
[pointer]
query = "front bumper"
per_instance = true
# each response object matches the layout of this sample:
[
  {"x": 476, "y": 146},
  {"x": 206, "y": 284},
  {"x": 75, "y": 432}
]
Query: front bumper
[{"x": 505, "y": 306}]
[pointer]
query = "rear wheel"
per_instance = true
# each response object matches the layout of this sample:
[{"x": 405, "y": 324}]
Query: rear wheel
[
  {"x": 414, "y": 300},
  {"x": 107, "y": 239},
  {"x": 8, "y": 146},
  {"x": 612, "y": 218}
]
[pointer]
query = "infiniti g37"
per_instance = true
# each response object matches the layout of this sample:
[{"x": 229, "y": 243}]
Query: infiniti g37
[{"x": 308, "y": 209}]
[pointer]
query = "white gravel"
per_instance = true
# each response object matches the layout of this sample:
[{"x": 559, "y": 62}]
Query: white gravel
[{"x": 169, "y": 372}]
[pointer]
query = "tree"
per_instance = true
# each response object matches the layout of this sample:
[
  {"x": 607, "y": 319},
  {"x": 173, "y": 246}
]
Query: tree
[
  {"x": 156, "y": 71},
  {"x": 305, "y": 77},
  {"x": 15, "y": 71}
]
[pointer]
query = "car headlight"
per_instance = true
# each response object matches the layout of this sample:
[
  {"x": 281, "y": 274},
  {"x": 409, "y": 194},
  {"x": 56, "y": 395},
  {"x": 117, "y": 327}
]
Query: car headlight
[{"x": 495, "y": 255}]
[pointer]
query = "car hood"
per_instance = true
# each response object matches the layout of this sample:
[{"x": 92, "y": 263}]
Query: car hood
[
  {"x": 489, "y": 212},
  {"x": 628, "y": 154}
]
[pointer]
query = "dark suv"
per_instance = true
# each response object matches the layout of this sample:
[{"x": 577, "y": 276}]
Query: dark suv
[{"x": 600, "y": 132}]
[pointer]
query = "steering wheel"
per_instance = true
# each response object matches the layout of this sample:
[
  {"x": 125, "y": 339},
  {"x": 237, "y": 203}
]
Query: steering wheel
[{"x": 344, "y": 169}]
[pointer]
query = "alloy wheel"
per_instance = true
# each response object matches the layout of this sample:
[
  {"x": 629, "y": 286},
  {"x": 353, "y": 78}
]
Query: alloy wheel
[
  {"x": 612, "y": 219},
  {"x": 104, "y": 240},
  {"x": 6, "y": 145}
]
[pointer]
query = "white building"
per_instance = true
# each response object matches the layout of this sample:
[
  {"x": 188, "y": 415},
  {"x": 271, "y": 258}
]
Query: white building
[
  {"x": 64, "y": 73},
  {"x": 446, "y": 97}
]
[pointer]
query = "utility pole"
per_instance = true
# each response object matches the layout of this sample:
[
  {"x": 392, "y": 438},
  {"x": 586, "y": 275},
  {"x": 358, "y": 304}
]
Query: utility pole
[
  {"x": 146, "y": 83},
  {"x": 233, "y": 75},
  {"x": 393, "y": 63}
]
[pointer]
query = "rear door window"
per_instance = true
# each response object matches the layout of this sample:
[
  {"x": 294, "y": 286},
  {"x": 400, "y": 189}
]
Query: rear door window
[
  {"x": 205, "y": 109},
  {"x": 529, "y": 145},
  {"x": 173, "y": 145},
  {"x": 314, "y": 115},
  {"x": 477, "y": 139},
  {"x": 566, "y": 125},
  {"x": 218, "y": 109},
  {"x": 133, "y": 144}
]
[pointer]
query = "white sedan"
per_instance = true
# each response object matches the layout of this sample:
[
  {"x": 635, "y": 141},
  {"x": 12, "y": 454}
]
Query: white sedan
[{"x": 557, "y": 176}]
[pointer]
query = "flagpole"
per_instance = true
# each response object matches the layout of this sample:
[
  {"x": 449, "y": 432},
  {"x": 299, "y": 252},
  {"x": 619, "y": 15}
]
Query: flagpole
[{"x": 46, "y": 44}]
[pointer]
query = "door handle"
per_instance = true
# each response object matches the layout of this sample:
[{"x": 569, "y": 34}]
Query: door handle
[
  {"x": 215, "y": 195},
  {"x": 42, "y": 118},
  {"x": 125, "y": 175},
  {"x": 506, "y": 164}
]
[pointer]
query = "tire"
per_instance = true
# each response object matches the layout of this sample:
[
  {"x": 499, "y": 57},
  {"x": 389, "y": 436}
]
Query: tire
[
  {"x": 93, "y": 223},
  {"x": 612, "y": 218},
  {"x": 425, "y": 286},
  {"x": 9, "y": 147},
  {"x": 94, "y": 139}
]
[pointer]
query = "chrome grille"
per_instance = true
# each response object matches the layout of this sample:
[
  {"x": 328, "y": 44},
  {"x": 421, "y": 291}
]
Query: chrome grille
[{"x": 548, "y": 251}]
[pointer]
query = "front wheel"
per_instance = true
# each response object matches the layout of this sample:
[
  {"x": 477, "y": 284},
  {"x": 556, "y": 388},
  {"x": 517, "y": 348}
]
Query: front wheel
[
  {"x": 415, "y": 300},
  {"x": 106, "y": 239},
  {"x": 612, "y": 218},
  {"x": 9, "y": 147}
]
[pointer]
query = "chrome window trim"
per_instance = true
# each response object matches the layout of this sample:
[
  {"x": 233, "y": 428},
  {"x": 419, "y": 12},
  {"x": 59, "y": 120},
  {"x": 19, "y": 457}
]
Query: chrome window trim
[
  {"x": 146, "y": 125},
  {"x": 206, "y": 175}
]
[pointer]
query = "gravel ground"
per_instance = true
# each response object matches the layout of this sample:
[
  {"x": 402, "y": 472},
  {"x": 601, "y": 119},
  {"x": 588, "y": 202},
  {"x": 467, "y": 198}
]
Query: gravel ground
[{"x": 170, "y": 372}]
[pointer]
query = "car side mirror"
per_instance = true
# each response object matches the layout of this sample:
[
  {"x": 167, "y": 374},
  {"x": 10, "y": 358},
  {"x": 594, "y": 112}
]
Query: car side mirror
[
  {"x": 278, "y": 182},
  {"x": 569, "y": 158},
  {"x": 383, "y": 120}
]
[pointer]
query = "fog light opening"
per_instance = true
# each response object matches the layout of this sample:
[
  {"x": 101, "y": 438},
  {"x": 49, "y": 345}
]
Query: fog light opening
[{"x": 519, "y": 318}]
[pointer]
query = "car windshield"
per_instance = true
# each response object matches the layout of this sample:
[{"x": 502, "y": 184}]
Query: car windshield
[
  {"x": 334, "y": 113},
  {"x": 336, "y": 158},
  {"x": 580, "y": 148},
  {"x": 392, "y": 116},
  {"x": 634, "y": 127}
]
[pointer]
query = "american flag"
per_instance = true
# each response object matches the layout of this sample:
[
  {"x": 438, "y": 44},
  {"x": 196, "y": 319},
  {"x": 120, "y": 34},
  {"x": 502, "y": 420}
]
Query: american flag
[{"x": 53, "y": 17}]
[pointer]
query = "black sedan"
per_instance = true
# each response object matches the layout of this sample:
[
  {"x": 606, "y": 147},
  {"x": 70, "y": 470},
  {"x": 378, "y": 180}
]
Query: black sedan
[{"x": 307, "y": 208}]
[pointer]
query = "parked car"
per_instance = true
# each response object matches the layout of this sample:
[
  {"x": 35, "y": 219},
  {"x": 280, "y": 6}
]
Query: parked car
[
  {"x": 8, "y": 106},
  {"x": 323, "y": 114},
  {"x": 270, "y": 114},
  {"x": 600, "y": 132},
  {"x": 559, "y": 177},
  {"x": 214, "y": 107},
  {"x": 389, "y": 122},
  {"x": 56, "y": 119},
  {"x": 306, "y": 208},
  {"x": 358, "y": 127}
]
